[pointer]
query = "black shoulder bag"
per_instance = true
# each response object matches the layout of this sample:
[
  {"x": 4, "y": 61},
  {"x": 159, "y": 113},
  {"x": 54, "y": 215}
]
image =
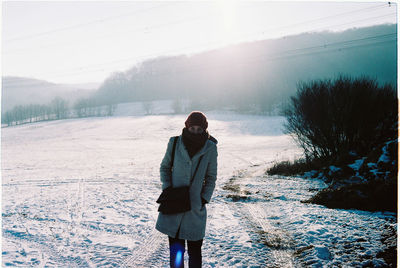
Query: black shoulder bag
[{"x": 176, "y": 200}]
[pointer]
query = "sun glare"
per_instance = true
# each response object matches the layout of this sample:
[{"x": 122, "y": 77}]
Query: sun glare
[{"x": 228, "y": 20}]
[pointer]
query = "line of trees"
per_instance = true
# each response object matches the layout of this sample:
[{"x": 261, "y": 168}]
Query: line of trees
[
  {"x": 87, "y": 107},
  {"x": 57, "y": 109}
]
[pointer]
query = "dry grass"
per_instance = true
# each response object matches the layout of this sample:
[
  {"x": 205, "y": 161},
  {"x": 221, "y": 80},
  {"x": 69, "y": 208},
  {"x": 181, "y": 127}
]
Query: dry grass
[
  {"x": 288, "y": 168},
  {"x": 232, "y": 187},
  {"x": 236, "y": 198}
]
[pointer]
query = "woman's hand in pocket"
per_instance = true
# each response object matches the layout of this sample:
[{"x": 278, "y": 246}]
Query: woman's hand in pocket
[{"x": 203, "y": 202}]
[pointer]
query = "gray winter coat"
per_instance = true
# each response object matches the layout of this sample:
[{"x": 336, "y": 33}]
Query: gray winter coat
[{"x": 191, "y": 224}]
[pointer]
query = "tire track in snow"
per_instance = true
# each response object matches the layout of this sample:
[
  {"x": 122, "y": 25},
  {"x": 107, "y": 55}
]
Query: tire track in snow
[
  {"x": 151, "y": 252},
  {"x": 142, "y": 255},
  {"x": 30, "y": 236},
  {"x": 279, "y": 241},
  {"x": 48, "y": 253},
  {"x": 230, "y": 241}
]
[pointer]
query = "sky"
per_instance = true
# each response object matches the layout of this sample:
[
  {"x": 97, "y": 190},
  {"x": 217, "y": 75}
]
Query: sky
[{"x": 85, "y": 42}]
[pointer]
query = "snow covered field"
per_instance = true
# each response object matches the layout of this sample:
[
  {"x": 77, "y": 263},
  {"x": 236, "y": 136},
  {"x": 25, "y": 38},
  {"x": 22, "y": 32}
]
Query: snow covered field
[{"x": 81, "y": 193}]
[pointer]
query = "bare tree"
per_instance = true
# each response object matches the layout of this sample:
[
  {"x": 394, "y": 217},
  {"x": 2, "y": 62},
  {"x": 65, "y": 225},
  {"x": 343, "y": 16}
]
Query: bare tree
[
  {"x": 177, "y": 106},
  {"x": 7, "y": 118},
  {"x": 148, "y": 107},
  {"x": 111, "y": 109},
  {"x": 59, "y": 107}
]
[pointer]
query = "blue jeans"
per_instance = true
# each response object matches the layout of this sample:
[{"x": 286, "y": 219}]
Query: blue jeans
[{"x": 177, "y": 251}]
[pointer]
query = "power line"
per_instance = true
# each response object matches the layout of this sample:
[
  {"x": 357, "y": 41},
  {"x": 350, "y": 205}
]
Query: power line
[
  {"x": 277, "y": 57},
  {"x": 80, "y": 70},
  {"x": 180, "y": 21},
  {"x": 194, "y": 69},
  {"x": 311, "y": 48},
  {"x": 347, "y": 23},
  {"x": 158, "y": 54},
  {"x": 332, "y": 16},
  {"x": 306, "y": 48},
  {"x": 346, "y": 13},
  {"x": 140, "y": 29},
  {"x": 165, "y": 52},
  {"x": 82, "y": 24},
  {"x": 281, "y": 54},
  {"x": 346, "y": 42},
  {"x": 145, "y": 29}
]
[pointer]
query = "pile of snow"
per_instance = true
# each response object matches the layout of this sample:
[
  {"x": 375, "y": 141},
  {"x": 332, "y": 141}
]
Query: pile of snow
[{"x": 357, "y": 164}]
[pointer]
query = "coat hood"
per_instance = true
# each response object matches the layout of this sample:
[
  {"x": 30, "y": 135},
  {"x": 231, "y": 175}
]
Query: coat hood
[{"x": 214, "y": 140}]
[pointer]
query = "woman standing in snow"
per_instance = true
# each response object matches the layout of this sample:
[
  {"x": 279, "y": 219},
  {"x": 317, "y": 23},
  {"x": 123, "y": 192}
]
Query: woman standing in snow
[{"x": 195, "y": 159}]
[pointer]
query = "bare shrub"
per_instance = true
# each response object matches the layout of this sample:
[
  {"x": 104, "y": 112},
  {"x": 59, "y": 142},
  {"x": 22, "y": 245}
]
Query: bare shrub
[{"x": 330, "y": 118}]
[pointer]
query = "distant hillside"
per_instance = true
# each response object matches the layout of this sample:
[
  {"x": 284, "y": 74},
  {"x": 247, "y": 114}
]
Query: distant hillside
[
  {"x": 23, "y": 91},
  {"x": 256, "y": 76},
  {"x": 259, "y": 75}
]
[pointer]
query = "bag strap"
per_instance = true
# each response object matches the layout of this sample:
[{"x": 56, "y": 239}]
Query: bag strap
[
  {"x": 173, "y": 157},
  {"x": 173, "y": 153}
]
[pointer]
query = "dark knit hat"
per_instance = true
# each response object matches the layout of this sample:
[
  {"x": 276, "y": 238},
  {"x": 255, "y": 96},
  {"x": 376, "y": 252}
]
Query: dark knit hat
[{"x": 196, "y": 118}]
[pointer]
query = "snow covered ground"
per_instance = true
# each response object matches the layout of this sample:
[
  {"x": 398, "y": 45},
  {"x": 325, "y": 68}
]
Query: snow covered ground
[{"x": 81, "y": 193}]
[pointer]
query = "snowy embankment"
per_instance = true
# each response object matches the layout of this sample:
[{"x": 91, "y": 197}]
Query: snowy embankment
[{"x": 81, "y": 193}]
